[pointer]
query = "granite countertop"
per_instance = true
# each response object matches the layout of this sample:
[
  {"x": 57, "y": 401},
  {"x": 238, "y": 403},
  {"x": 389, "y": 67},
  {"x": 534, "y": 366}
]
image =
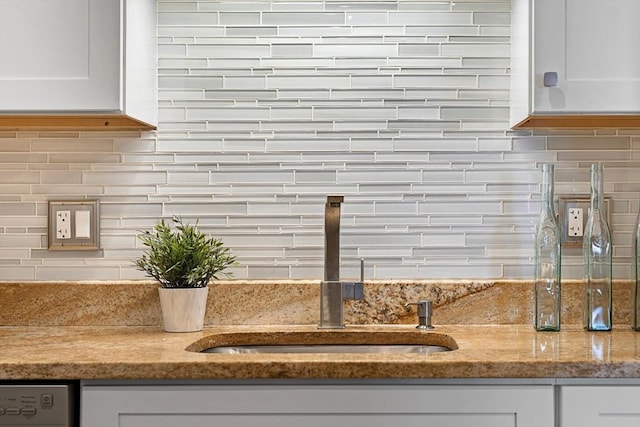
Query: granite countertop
[{"x": 147, "y": 352}]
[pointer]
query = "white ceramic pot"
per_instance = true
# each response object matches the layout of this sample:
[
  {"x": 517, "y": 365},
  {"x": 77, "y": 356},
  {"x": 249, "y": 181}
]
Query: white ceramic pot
[{"x": 183, "y": 308}]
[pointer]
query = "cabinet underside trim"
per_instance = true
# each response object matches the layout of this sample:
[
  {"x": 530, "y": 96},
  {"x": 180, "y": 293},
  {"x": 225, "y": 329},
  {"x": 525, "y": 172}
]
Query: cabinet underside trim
[
  {"x": 72, "y": 122},
  {"x": 578, "y": 121}
]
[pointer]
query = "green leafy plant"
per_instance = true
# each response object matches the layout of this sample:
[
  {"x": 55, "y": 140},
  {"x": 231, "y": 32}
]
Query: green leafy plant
[{"x": 184, "y": 258}]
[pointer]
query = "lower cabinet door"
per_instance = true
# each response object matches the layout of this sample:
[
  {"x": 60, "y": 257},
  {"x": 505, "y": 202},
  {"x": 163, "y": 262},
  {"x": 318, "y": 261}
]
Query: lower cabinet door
[
  {"x": 607, "y": 406},
  {"x": 318, "y": 406}
]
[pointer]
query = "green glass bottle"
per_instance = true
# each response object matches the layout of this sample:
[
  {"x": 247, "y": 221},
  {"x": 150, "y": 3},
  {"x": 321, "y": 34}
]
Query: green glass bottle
[
  {"x": 548, "y": 259},
  {"x": 598, "y": 256}
]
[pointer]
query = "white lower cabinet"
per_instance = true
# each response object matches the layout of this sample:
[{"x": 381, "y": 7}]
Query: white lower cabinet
[
  {"x": 607, "y": 406},
  {"x": 317, "y": 405}
]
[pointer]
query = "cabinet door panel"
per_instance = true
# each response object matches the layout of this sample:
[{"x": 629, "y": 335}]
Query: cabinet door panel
[
  {"x": 600, "y": 406},
  {"x": 592, "y": 45},
  {"x": 28, "y": 53},
  {"x": 315, "y": 405},
  {"x": 318, "y": 420},
  {"x": 61, "y": 55}
]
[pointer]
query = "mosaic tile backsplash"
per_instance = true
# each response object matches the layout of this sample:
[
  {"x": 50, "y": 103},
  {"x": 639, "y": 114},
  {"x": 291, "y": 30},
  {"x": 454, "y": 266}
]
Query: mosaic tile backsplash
[{"x": 268, "y": 106}]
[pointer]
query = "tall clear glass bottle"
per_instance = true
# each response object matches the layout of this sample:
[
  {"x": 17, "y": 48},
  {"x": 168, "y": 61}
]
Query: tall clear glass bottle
[
  {"x": 598, "y": 257},
  {"x": 548, "y": 259},
  {"x": 636, "y": 264}
]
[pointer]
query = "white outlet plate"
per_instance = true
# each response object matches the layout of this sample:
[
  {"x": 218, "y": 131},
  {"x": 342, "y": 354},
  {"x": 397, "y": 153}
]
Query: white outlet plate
[
  {"x": 573, "y": 212},
  {"x": 74, "y": 225}
]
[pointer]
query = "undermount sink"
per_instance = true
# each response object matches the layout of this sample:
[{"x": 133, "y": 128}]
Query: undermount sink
[
  {"x": 330, "y": 341},
  {"x": 328, "y": 348}
]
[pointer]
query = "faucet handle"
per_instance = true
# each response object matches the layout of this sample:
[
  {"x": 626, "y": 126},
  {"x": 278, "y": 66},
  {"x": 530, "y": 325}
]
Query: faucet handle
[
  {"x": 425, "y": 310},
  {"x": 354, "y": 290},
  {"x": 358, "y": 289}
]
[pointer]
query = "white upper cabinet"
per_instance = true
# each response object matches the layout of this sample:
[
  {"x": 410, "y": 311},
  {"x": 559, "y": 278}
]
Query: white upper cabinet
[
  {"x": 575, "y": 63},
  {"x": 80, "y": 59}
]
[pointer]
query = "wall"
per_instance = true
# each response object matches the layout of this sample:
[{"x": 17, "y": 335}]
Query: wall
[{"x": 267, "y": 107}]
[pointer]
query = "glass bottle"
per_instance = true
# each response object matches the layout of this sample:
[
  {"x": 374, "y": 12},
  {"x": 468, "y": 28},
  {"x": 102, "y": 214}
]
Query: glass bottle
[
  {"x": 636, "y": 264},
  {"x": 548, "y": 260},
  {"x": 598, "y": 257}
]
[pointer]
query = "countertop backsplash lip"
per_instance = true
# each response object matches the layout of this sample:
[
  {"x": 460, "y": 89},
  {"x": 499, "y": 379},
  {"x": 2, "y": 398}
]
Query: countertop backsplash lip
[{"x": 291, "y": 302}]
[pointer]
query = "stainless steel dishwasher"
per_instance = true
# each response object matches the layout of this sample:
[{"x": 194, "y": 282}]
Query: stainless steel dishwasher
[{"x": 50, "y": 404}]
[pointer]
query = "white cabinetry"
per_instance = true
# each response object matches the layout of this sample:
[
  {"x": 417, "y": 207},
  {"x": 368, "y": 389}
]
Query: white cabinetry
[
  {"x": 313, "y": 405},
  {"x": 610, "y": 406},
  {"x": 588, "y": 51},
  {"x": 78, "y": 58}
]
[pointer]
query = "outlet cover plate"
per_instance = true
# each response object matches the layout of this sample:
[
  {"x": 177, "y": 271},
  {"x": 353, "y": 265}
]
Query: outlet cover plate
[
  {"x": 578, "y": 201},
  {"x": 74, "y": 243}
]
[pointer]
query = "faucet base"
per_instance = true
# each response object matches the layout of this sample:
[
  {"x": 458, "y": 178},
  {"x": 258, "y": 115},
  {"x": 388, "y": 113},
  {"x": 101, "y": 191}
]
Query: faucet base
[
  {"x": 332, "y": 294},
  {"x": 331, "y": 315}
]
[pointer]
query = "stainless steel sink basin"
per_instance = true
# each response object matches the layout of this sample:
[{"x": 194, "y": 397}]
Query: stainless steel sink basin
[
  {"x": 327, "y": 348},
  {"x": 345, "y": 341}
]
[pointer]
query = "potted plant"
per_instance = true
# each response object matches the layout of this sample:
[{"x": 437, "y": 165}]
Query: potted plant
[{"x": 183, "y": 261}]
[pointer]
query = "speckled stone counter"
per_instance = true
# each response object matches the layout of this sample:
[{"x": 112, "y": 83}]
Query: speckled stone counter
[
  {"x": 484, "y": 351},
  {"x": 97, "y": 330},
  {"x": 297, "y": 302}
]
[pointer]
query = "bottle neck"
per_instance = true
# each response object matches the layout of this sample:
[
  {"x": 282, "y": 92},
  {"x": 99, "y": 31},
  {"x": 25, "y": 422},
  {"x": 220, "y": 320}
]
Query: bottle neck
[
  {"x": 547, "y": 187},
  {"x": 596, "y": 187}
]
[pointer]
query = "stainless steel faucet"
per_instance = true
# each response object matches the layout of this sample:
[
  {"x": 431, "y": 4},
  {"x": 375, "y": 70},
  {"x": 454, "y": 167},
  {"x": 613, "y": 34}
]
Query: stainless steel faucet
[{"x": 333, "y": 291}]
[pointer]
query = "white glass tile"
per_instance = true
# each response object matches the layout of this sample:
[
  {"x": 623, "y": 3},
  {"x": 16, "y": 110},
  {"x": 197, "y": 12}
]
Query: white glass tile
[
  {"x": 355, "y": 50},
  {"x": 292, "y": 50},
  {"x": 314, "y": 31},
  {"x": 492, "y": 18},
  {"x": 187, "y": 18},
  {"x": 422, "y": 81},
  {"x": 303, "y": 18},
  {"x": 476, "y": 49},
  {"x": 305, "y": 5},
  {"x": 224, "y": 114},
  {"x": 371, "y": 30},
  {"x": 354, "y": 113},
  {"x": 370, "y": 82},
  {"x": 367, "y": 18},
  {"x": 228, "y": 51},
  {"x": 418, "y": 49},
  {"x": 234, "y": 6},
  {"x": 239, "y": 18},
  {"x": 430, "y": 18},
  {"x": 307, "y": 82}
]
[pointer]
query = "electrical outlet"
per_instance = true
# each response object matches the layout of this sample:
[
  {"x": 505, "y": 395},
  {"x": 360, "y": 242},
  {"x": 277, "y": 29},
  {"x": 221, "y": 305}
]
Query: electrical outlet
[
  {"x": 573, "y": 214},
  {"x": 576, "y": 221},
  {"x": 63, "y": 225}
]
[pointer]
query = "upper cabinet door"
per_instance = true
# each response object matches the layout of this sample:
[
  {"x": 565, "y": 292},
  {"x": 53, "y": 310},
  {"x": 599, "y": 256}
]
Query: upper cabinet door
[
  {"x": 575, "y": 63},
  {"x": 60, "y": 55},
  {"x": 593, "y": 46}
]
